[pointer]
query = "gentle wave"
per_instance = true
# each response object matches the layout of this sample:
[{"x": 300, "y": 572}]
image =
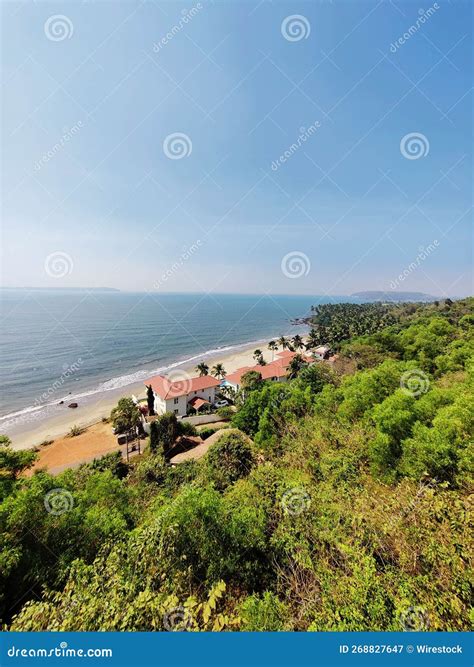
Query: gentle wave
[{"x": 117, "y": 383}]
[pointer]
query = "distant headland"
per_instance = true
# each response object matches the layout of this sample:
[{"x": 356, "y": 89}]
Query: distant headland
[{"x": 394, "y": 296}]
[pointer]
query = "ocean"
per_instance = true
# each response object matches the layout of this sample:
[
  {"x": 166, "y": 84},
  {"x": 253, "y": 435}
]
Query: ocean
[{"x": 64, "y": 345}]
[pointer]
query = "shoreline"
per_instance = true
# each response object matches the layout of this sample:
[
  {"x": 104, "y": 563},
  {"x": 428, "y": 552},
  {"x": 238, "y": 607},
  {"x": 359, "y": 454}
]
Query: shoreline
[{"x": 54, "y": 421}]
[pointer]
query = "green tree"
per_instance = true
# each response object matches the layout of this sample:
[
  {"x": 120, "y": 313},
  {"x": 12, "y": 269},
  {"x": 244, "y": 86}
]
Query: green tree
[
  {"x": 230, "y": 458},
  {"x": 219, "y": 371},
  {"x": 283, "y": 342},
  {"x": 125, "y": 416},
  {"x": 202, "y": 369},
  {"x": 12, "y": 463},
  {"x": 297, "y": 342},
  {"x": 150, "y": 399},
  {"x": 273, "y": 347},
  {"x": 163, "y": 433},
  {"x": 258, "y": 356},
  {"x": 296, "y": 364},
  {"x": 250, "y": 380}
]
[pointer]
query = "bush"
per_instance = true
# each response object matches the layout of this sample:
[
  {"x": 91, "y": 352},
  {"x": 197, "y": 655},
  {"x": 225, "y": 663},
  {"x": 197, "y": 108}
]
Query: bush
[
  {"x": 186, "y": 428},
  {"x": 263, "y": 613},
  {"x": 229, "y": 459}
]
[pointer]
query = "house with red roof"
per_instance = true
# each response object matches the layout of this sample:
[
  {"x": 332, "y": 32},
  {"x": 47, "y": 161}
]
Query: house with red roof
[
  {"x": 183, "y": 395},
  {"x": 276, "y": 371}
]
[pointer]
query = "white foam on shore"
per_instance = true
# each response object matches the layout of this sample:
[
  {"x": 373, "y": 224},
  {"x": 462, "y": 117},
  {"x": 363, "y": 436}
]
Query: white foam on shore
[{"x": 37, "y": 412}]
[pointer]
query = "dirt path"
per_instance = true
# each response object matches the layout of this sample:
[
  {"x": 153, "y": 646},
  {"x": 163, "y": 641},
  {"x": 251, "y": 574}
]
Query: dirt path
[{"x": 65, "y": 452}]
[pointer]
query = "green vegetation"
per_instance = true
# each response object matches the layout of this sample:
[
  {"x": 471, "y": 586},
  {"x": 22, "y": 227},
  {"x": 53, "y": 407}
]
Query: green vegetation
[
  {"x": 337, "y": 502},
  {"x": 125, "y": 416},
  {"x": 334, "y": 323},
  {"x": 75, "y": 431},
  {"x": 150, "y": 399},
  {"x": 219, "y": 371},
  {"x": 202, "y": 369}
]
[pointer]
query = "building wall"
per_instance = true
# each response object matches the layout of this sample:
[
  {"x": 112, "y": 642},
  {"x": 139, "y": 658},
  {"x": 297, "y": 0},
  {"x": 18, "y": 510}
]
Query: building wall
[{"x": 179, "y": 406}]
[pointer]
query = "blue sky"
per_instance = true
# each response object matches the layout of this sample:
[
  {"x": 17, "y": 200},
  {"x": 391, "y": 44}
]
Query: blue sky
[{"x": 86, "y": 118}]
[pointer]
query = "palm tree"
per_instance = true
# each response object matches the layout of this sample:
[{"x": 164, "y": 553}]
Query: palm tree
[
  {"x": 295, "y": 365},
  {"x": 273, "y": 347},
  {"x": 258, "y": 356},
  {"x": 283, "y": 342},
  {"x": 297, "y": 342},
  {"x": 219, "y": 371},
  {"x": 202, "y": 368},
  {"x": 314, "y": 339}
]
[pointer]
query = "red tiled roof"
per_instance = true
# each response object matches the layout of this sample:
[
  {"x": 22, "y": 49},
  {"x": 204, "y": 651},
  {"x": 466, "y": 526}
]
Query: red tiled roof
[
  {"x": 166, "y": 389},
  {"x": 286, "y": 354},
  {"x": 277, "y": 368},
  {"x": 198, "y": 402}
]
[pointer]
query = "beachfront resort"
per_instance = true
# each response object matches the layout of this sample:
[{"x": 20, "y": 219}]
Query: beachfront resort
[{"x": 192, "y": 395}]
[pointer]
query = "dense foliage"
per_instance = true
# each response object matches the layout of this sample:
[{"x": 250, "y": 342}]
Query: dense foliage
[{"x": 340, "y": 503}]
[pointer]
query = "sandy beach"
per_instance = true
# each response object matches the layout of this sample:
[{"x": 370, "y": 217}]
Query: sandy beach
[{"x": 91, "y": 409}]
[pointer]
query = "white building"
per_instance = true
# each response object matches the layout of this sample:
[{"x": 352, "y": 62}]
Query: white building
[
  {"x": 322, "y": 352},
  {"x": 181, "y": 396}
]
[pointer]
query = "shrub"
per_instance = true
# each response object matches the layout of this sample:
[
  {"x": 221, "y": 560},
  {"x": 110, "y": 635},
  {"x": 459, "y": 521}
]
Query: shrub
[
  {"x": 263, "y": 613},
  {"x": 229, "y": 459},
  {"x": 75, "y": 431}
]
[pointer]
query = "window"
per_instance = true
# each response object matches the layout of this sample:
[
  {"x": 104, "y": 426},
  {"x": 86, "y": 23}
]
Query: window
[
  {"x": 210, "y": 400},
  {"x": 176, "y": 412},
  {"x": 176, "y": 401}
]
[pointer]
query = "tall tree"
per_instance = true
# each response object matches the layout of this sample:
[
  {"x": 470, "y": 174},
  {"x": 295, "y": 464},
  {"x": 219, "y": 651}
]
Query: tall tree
[
  {"x": 295, "y": 365},
  {"x": 150, "y": 399},
  {"x": 163, "y": 433},
  {"x": 273, "y": 346},
  {"x": 125, "y": 416},
  {"x": 202, "y": 369},
  {"x": 297, "y": 342},
  {"x": 258, "y": 356},
  {"x": 219, "y": 371},
  {"x": 283, "y": 342},
  {"x": 313, "y": 340}
]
